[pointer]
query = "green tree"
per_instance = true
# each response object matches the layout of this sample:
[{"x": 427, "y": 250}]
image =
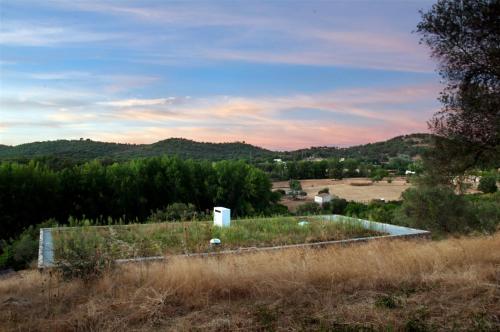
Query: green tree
[
  {"x": 435, "y": 208},
  {"x": 488, "y": 184},
  {"x": 379, "y": 174},
  {"x": 464, "y": 38}
]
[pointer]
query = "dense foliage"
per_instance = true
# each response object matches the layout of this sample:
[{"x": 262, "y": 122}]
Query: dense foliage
[
  {"x": 85, "y": 150},
  {"x": 439, "y": 209},
  {"x": 464, "y": 37},
  {"x": 335, "y": 168},
  {"x": 63, "y": 152},
  {"x": 31, "y": 193},
  {"x": 410, "y": 145},
  {"x": 488, "y": 184}
]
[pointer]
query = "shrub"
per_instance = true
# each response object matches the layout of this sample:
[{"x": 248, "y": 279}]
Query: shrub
[
  {"x": 324, "y": 191},
  {"x": 308, "y": 208},
  {"x": 485, "y": 208},
  {"x": 387, "y": 301},
  {"x": 281, "y": 191},
  {"x": 335, "y": 206},
  {"x": 436, "y": 208},
  {"x": 19, "y": 253},
  {"x": 488, "y": 184},
  {"x": 174, "y": 212},
  {"x": 379, "y": 174},
  {"x": 295, "y": 185},
  {"x": 361, "y": 183},
  {"x": 355, "y": 209},
  {"x": 83, "y": 257}
]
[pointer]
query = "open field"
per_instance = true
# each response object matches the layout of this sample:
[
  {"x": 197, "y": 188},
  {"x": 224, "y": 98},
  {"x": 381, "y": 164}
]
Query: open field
[
  {"x": 412, "y": 285},
  {"x": 344, "y": 189},
  {"x": 142, "y": 240}
]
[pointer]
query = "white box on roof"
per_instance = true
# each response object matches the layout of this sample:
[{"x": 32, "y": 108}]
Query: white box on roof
[{"x": 222, "y": 217}]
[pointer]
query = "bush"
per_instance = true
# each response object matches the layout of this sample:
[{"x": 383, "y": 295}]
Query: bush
[
  {"x": 488, "y": 184},
  {"x": 379, "y": 174},
  {"x": 281, "y": 191},
  {"x": 174, "y": 212},
  {"x": 83, "y": 257},
  {"x": 436, "y": 208},
  {"x": 277, "y": 210},
  {"x": 486, "y": 209},
  {"x": 19, "y": 253},
  {"x": 355, "y": 209},
  {"x": 308, "y": 208},
  {"x": 324, "y": 191},
  {"x": 335, "y": 206},
  {"x": 295, "y": 185}
]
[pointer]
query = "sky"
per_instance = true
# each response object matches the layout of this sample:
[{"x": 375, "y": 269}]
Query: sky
[{"x": 278, "y": 74}]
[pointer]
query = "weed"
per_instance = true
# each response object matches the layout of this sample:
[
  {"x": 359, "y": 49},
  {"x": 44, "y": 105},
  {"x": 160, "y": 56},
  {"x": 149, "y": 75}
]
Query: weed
[{"x": 387, "y": 301}]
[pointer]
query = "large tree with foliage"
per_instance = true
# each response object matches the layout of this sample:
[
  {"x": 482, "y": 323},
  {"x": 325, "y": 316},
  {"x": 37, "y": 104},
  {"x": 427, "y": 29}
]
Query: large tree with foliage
[{"x": 464, "y": 37}]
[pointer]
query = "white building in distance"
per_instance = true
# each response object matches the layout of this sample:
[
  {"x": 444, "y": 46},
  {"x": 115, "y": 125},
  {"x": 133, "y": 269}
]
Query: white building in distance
[{"x": 322, "y": 198}]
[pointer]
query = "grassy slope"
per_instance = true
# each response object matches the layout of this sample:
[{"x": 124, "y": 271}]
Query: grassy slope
[
  {"x": 418, "y": 286},
  {"x": 86, "y": 149}
]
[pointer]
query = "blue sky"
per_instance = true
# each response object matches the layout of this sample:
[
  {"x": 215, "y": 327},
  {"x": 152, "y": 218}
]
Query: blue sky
[{"x": 279, "y": 74}]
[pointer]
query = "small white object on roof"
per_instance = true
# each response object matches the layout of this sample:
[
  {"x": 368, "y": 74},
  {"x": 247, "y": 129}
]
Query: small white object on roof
[
  {"x": 222, "y": 217},
  {"x": 303, "y": 223},
  {"x": 215, "y": 242}
]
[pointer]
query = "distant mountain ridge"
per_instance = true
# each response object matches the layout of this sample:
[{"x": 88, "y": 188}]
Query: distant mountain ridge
[{"x": 86, "y": 149}]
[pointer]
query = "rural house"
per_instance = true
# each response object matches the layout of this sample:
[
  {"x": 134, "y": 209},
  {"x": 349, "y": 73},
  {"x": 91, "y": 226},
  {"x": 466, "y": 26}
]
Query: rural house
[{"x": 322, "y": 198}]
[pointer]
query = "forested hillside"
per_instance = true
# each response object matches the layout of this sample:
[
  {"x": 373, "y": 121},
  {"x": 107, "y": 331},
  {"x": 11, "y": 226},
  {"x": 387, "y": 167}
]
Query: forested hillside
[
  {"x": 410, "y": 145},
  {"x": 84, "y": 150}
]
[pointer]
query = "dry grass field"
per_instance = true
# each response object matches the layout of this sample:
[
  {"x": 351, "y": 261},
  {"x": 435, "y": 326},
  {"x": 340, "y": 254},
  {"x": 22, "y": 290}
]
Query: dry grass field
[
  {"x": 452, "y": 284},
  {"x": 344, "y": 189}
]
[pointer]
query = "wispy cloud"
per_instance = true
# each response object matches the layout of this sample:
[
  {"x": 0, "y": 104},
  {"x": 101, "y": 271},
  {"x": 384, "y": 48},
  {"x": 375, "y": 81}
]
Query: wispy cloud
[
  {"x": 138, "y": 102},
  {"x": 256, "y": 32},
  {"x": 280, "y": 76},
  {"x": 18, "y": 33},
  {"x": 348, "y": 117}
]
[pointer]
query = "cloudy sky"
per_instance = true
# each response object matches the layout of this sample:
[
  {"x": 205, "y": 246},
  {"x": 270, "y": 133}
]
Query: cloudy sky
[{"x": 278, "y": 74}]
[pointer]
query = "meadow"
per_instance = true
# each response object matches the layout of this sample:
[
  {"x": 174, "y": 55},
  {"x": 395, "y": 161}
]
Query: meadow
[
  {"x": 142, "y": 240},
  {"x": 451, "y": 284},
  {"x": 347, "y": 189}
]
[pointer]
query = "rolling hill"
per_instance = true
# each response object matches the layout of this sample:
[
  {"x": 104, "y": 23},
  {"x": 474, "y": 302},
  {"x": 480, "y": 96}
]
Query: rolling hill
[{"x": 82, "y": 150}]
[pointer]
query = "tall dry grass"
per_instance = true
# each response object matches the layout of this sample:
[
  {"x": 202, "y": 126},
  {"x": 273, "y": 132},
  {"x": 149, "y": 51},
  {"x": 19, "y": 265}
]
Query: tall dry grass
[{"x": 412, "y": 285}]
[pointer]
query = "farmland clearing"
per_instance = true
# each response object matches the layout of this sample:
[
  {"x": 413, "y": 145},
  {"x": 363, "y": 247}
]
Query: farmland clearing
[{"x": 344, "y": 189}]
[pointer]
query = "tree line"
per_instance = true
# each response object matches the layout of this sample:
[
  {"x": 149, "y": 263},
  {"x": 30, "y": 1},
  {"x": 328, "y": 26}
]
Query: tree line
[
  {"x": 32, "y": 193},
  {"x": 336, "y": 168}
]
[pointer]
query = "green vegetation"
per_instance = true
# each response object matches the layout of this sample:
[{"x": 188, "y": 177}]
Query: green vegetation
[
  {"x": 20, "y": 252},
  {"x": 32, "y": 193},
  {"x": 338, "y": 168},
  {"x": 439, "y": 209},
  {"x": 410, "y": 145},
  {"x": 463, "y": 38},
  {"x": 436, "y": 208},
  {"x": 488, "y": 184},
  {"x": 375, "y": 210},
  {"x": 140, "y": 240},
  {"x": 63, "y": 152},
  {"x": 86, "y": 149}
]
